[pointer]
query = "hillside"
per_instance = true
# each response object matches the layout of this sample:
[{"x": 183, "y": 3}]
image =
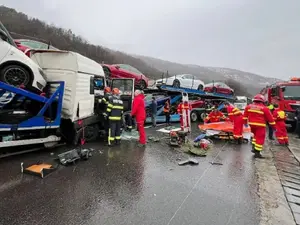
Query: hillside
[
  {"x": 19, "y": 23},
  {"x": 23, "y": 26},
  {"x": 252, "y": 82}
]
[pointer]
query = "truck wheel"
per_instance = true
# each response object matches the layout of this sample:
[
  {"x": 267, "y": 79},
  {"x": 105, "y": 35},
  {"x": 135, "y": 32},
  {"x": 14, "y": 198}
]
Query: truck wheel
[
  {"x": 15, "y": 75},
  {"x": 194, "y": 116},
  {"x": 200, "y": 87},
  {"x": 203, "y": 116}
]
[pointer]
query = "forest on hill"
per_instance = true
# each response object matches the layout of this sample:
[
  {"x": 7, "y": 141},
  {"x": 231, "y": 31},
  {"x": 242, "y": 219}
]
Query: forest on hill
[{"x": 22, "y": 26}]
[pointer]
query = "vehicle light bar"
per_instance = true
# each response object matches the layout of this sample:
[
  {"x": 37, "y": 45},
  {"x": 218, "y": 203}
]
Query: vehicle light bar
[{"x": 295, "y": 79}]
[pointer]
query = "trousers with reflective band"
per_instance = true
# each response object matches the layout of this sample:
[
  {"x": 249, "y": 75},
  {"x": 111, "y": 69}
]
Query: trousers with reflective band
[
  {"x": 114, "y": 132},
  {"x": 238, "y": 125},
  {"x": 258, "y": 140},
  {"x": 281, "y": 132}
]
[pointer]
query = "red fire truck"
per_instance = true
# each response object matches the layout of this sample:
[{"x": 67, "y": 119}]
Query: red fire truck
[{"x": 287, "y": 95}]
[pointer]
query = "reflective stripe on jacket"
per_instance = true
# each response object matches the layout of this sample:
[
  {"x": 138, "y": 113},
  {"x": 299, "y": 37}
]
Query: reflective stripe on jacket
[
  {"x": 257, "y": 114},
  {"x": 115, "y": 108},
  {"x": 279, "y": 115}
]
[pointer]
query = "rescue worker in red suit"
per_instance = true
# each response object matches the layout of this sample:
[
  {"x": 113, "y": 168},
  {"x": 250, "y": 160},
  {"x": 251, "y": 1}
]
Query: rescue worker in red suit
[
  {"x": 229, "y": 109},
  {"x": 238, "y": 124},
  {"x": 281, "y": 132},
  {"x": 214, "y": 116},
  {"x": 257, "y": 115},
  {"x": 182, "y": 108},
  {"x": 139, "y": 112}
]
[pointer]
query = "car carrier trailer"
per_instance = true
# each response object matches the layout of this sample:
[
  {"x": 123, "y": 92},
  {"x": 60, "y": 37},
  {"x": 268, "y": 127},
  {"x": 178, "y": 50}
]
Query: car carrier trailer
[{"x": 175, "y": 96}]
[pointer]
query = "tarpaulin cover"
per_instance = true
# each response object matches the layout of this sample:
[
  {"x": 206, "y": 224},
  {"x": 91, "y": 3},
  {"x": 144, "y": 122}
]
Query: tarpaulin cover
[{"x": 221, "y": 126}]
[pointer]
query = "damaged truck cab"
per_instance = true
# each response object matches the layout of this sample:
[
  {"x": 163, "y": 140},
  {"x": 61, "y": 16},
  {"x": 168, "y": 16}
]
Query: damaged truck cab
[{"x": 74, "y": 83}]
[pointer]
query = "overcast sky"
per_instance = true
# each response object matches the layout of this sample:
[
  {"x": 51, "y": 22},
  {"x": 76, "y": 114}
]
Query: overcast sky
[{"x": 261, "y": 36}]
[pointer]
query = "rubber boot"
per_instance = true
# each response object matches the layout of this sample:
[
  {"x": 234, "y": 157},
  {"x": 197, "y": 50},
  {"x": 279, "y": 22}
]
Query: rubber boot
[
  {"x": 118, "y": 142},
  {"x": 257, "y": 154},
  {"x": 253, "y": 149}
]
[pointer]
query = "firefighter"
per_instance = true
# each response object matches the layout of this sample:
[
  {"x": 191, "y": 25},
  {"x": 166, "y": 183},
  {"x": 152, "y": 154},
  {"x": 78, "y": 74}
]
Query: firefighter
[
  {"x": 106, "y": 97},
  {"x": 281, "y": 132},
  {"x": 102, "y": 108},
  {"x": 257, "y": 115},
  {"x": 229, "y": 109},
  {"x": 214, "y": 116},
  {"x": 167, "y": 112},
  {"x": 114, "y": 111},
  {"x": 238, "y": 124},
  {"x": 271, "y": 135}
]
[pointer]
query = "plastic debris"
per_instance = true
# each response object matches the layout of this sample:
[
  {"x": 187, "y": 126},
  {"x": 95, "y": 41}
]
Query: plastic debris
[
  {"x": 188, "y": 161},
  {"x": 74, "y": 155},
  {"x": 133, "y": 135},
  {"x": 216, "y": 163},
  {"x": 154, "y": 139}
]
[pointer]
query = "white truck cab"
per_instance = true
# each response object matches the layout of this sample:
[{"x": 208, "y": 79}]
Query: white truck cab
[
  {"x": 15, "y": 67},
  {"x": 241, "y": 102},
  {"x": 79, "y": 74}
]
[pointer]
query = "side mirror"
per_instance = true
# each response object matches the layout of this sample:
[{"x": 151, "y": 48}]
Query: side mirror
[
  {"x": 283, "y": 89},
  {"x": 117, "y": 67},
  {"x": 17, "y": 42},
  {"x": 3, "y": 35}
]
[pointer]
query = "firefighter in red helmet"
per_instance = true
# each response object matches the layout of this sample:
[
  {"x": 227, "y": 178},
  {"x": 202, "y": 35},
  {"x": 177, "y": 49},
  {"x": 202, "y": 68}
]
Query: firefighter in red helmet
[{"x": 257, "y": 115}]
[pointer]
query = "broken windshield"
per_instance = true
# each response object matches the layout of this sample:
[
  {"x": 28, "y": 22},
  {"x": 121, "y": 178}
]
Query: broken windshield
[{"x": 292, "y": 93}]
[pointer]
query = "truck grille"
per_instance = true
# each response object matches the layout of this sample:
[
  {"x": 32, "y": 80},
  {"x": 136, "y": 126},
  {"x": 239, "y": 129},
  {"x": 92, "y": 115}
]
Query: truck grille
[{"x": 295, "y": 106}]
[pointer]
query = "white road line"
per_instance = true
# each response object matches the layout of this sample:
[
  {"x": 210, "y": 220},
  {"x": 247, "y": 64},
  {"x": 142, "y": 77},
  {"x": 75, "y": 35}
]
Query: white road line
[{"x": 200, "y": 178}]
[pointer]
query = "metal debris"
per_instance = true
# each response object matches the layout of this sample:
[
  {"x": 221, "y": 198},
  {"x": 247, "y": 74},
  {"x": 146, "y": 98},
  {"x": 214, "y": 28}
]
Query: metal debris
[{"x": 188, "y": 161}]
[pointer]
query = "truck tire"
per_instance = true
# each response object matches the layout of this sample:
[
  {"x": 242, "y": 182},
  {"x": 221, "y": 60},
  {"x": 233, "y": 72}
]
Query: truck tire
[
  {"x": 194, "y": 116},
  {"x": 203, "y": 116}
]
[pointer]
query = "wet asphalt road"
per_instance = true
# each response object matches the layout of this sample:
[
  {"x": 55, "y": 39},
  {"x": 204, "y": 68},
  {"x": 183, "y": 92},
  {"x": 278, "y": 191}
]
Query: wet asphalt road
[{"x": 131, "y": 185}]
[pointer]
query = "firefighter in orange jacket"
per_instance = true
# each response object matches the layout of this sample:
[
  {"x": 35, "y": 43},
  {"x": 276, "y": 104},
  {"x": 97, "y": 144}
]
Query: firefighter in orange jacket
[
  {"x": 229, "y": 109},
  {"x": 238, "y": 124},
  {"x": 281, "y": 132},
  {"x": 214, "y": 116},
  {"x": 257, "y": 115}
]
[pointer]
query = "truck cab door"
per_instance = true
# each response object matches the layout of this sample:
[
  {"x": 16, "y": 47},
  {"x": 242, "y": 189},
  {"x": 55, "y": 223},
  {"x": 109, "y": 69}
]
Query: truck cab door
[{"x": 126, "y": 87}]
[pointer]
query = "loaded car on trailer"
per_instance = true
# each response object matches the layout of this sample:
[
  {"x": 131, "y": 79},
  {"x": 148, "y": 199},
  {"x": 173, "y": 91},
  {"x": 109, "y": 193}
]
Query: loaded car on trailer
[{"x": 15, "y": 67}]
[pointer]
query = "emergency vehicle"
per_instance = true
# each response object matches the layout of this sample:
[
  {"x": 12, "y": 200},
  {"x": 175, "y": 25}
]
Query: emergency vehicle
[{"x": 287, "y": 95}]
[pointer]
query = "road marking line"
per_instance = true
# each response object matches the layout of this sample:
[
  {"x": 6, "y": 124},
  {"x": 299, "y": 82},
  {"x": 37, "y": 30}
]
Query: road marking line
[{"x": 200, "y": 178}]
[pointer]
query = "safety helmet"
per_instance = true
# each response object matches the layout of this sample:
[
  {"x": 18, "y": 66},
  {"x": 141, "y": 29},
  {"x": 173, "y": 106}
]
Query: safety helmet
[
  {"x": 259, "y": 98},
  {"x": 107, "y": 90},
  {"x": 116, "y": 91}
]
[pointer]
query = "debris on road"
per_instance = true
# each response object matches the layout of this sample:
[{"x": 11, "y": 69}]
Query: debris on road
[
  {"x": 216, "y": 163},
  {"x": 154, "y": 139},
  {"x": 39, "y": 169},
  {"x": 73, "y": 155},
  {"x": 190, "y": 161},
  {"x": 133, "y": 135}
]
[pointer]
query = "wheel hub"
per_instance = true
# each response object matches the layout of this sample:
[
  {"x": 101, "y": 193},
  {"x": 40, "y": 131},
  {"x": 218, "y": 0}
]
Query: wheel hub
[{"x": 15, "y": 76}]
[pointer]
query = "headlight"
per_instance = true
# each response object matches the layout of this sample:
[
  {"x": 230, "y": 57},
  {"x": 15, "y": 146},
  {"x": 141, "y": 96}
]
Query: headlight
[{"x": 42, "y": 73}]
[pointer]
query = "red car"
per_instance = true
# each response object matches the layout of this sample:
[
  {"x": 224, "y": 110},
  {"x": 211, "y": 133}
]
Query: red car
[
  {"x": 218, "y": 87},
  {"x": 126, "y": 71},
  {"x": 26, "y": 45}
]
